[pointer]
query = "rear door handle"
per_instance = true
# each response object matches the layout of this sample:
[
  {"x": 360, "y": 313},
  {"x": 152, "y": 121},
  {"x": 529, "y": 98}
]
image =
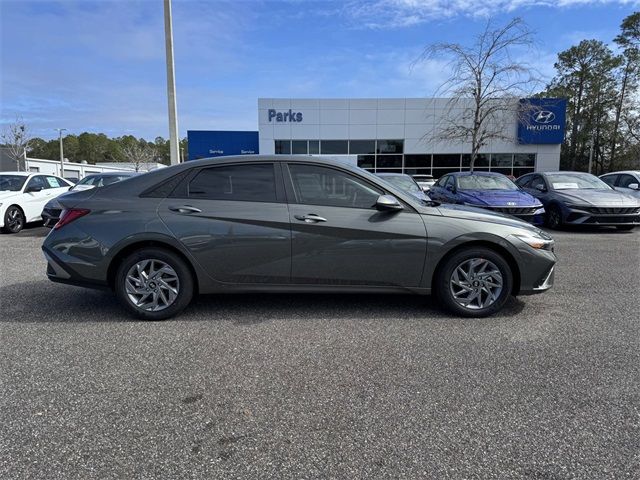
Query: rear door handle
[
  {"x": 185, "y": 209},
  {"x": 310, "y": 218}
]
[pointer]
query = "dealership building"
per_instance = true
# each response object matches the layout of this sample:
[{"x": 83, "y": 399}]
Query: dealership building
[{"x": 394, "y": 134}]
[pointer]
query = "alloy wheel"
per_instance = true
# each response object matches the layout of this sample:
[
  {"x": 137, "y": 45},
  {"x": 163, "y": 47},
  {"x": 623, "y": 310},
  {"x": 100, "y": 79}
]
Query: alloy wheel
[
  {"x": 15, "y": 220},
  {"x": 476, "y": 283},
  {"x": 152, "y": 285}
]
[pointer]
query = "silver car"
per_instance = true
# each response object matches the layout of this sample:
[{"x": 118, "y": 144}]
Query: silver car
[{"x": 627, "y": 181}]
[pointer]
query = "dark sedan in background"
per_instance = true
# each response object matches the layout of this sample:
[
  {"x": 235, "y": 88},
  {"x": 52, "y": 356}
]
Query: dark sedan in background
[
  {"x": 577, "y": 198},
  {"x": 288, "y": 224},
  {"x": 488, "y": 190},
  {"x": 52, "y": 210}
]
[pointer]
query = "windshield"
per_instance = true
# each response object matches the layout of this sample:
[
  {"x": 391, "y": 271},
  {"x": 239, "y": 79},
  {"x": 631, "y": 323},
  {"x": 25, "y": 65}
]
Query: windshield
[
  {"x": 12, "y": 183},
  {"x": 404, "y": 183},
  {"x": 484, "y": 182},
  {"x": 569, "y": 181},
  {"x": 100, "y": 180}
]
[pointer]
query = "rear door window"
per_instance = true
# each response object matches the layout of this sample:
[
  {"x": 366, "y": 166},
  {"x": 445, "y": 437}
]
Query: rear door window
[
  {"x": 610, "y": 180},
  {"x": 246, "y": 183}
]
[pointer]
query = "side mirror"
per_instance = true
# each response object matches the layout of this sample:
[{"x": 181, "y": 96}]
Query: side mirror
[
  {"x": 35, "y": 188},
  {"x": 540, "y": 187},
  {"x": 634, "y": 186},
  {"x": 388, "y": 202}
]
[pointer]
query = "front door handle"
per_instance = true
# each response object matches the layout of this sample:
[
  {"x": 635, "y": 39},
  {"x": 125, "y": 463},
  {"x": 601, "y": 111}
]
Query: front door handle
[
  {"x": 185, "y": 209},
  {"x": 311, "y": 218}
]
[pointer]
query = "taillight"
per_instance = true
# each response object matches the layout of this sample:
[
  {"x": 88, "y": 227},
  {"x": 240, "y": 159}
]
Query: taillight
[{"x": 68, "y": 216}]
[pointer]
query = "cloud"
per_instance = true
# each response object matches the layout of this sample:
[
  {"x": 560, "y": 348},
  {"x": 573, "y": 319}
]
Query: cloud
[{"x": 381, "y": 14}]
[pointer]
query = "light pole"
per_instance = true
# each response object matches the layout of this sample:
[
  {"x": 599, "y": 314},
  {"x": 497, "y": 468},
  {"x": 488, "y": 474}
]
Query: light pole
[
  {"x": 171, "y": 85},
  {"x": 60, "y": 130},
  {"x": 590, "y": 154}
]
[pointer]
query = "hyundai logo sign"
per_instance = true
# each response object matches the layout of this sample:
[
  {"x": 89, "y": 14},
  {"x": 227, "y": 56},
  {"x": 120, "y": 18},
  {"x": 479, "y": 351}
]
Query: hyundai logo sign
[
  {"x": 544, "y": 116},
  {"x": 541, "y": 120}
]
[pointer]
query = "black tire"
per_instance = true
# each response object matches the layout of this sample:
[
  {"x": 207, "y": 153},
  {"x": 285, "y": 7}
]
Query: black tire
[
  {"x": 443, "y": 286},
  {"x": 553, "y": 217},
  {"x": 625, "y": 228},
  {"x": 180, "y": 268},
  {"x": 14, "y": 220}
]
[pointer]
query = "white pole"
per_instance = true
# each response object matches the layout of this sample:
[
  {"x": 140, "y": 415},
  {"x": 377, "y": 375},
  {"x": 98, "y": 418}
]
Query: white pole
[
  {"x": 60, "y": 130},
  {"x": 171, "y": 85}
]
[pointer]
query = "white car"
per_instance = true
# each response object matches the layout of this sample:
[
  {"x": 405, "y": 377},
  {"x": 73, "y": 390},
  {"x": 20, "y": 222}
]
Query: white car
[
  {"x": 425, "y": 181},
  {"x": 23, "y": 195},
  {"x": 626, "y": 182}
]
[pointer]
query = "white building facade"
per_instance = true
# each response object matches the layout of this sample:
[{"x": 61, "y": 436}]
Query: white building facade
[{"x": 399, "y": 135}]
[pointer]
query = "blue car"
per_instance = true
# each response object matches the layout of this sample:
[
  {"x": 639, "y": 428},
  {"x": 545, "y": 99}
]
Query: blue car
[
  {"x": 578, "y": 198},
  {"x": 488, "y": 190}
]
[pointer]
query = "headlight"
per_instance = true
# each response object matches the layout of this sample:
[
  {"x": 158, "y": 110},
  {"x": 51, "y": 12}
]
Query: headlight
[{"x": 538, "y": 242}]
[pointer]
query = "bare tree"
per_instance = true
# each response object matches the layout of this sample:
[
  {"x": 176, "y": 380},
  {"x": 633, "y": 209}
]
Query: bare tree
[
  {"x": 138, "y": 153},
  {"x": 485, "y": 86},
  {"x": 16, "y": 139}
]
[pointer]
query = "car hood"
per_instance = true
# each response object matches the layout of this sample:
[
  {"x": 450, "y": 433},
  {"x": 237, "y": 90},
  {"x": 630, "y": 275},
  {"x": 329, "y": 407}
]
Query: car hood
[
  {"x": 499, "y": 198},
  {"x": 597, "y": 198},
  {"x": 473, "y": 213},
  {"x": 8, "y": 194}
]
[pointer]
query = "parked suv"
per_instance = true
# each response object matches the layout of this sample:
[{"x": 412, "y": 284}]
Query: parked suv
[{"x": 288, "y": 224}]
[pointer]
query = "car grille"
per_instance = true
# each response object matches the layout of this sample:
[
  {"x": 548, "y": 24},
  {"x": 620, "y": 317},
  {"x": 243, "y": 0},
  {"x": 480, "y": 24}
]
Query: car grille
[
  {"x": 613, "y": 210},
  {"x": 613, "y": 219},
  {"x": 515, "y": 210}
]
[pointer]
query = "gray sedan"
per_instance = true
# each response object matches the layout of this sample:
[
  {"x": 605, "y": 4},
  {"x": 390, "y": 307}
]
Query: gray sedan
[{"x": 288, "y": 224}]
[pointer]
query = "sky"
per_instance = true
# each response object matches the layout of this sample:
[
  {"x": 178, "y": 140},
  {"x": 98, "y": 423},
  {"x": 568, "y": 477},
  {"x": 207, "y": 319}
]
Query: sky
[{"x": 99, "y": 65}]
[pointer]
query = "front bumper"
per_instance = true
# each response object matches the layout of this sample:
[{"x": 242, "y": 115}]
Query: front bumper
[
  {"x": 602, "y": 216},
  {"x": 532, "y": 214}
]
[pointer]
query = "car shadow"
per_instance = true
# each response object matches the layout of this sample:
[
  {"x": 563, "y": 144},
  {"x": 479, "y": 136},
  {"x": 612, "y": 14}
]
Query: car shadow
[
  {"x": 43, "y": 301},
  {"x": 35, "y": 229}
]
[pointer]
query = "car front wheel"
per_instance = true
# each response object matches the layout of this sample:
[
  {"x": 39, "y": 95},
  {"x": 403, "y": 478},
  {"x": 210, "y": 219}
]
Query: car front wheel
[
  {"x": 154, "y": 284},
  {"x": 553, "y": 217},
  {"x": 475, "y": 283},
  {"x": 13, "y": 220}
]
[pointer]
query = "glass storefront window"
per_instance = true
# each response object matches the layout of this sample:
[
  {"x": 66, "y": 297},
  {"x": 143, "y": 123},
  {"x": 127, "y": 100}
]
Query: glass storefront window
[
  {"x": 502, "y": 170},
  {"x": 388, "y": 170},
  {"x": 390, "y": 146},
  {"x": 417, "y": 171},
  {"x": 524, "y": 160},
  {"x": 519, "y": 171},
  {"x": 482, "y": 160},
  {"x": 314, "y": 147},
  {"x": 501, "y": 160},
  {"x": 357, "y": 147},
  {"x": 367, "y": 161},
  {"x": 299, "y": 147},
  {"x": 388, "y": 161},
  {"x": 439, "y": 172},
  {"x": 334, "y": 147},
  {"x": 283, "y": 147},
  {"x": 417, "y": 161},
  {"x": 448, "y": 160}
]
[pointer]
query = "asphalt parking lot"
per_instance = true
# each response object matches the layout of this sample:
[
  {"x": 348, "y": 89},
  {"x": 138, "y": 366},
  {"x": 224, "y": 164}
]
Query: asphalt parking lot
[{"x": 302, "y": 386}]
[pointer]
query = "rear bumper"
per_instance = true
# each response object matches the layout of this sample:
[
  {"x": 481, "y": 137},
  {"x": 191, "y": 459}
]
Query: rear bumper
[{"x": 61, "y": 272}]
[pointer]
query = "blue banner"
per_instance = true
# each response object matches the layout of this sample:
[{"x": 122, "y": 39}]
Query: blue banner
[
  {"x": 220, "y": 143},
  {"x": 542, "y": 120}
]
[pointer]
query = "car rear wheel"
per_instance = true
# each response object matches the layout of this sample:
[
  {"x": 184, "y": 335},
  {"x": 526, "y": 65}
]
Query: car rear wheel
[
  {"x": 553, "y": 217},
  {"x": 154, "y": 284},
  {"x": 13, "y": 220},
  {"x": 474, "y": 283}
]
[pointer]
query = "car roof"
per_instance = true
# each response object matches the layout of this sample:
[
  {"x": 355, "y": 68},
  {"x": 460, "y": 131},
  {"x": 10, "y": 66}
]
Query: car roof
[
  {"x": 632, "y": 172},
  {"x": 484, "y": 174}
]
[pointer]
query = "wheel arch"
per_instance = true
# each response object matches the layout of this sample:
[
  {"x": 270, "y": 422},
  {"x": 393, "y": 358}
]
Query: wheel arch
[
  {"x": 128, "y": 249},
  {"x": 508, "y": 256}
]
